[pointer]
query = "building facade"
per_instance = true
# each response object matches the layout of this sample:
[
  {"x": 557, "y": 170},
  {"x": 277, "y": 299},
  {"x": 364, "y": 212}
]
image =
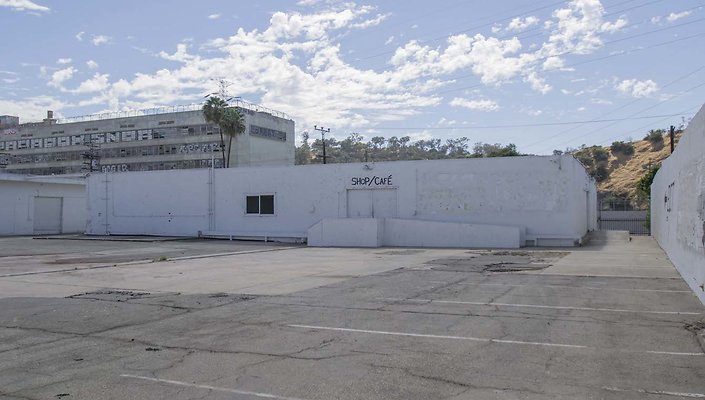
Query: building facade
[
  {"x": 160, "y": 139},
  {"x": 484, "y": 202}
]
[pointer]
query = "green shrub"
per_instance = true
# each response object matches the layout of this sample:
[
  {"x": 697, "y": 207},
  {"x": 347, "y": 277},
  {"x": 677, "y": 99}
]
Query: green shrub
[
  {"x": 622, "y": 147},
  {"x": 584, "y": 159},
  {"x": 600, "y": 173},
  {"x": 600, "y": 154},
  {"x": 655, "y": 136}
]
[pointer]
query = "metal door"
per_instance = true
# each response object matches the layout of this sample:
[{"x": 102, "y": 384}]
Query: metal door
[
  {"x": 384, "y": 203},
  {"x": 47, "y": 215},
  {"x": 359, "y": 204},
  {"x": 376, "y": 203}
]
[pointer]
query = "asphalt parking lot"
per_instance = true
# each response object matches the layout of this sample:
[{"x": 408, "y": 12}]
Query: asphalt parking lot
[{"x": 256, "y": 321}]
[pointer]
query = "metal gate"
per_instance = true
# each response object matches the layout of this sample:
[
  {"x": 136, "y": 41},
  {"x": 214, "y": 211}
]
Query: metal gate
[{"x": 633, "y": 221}]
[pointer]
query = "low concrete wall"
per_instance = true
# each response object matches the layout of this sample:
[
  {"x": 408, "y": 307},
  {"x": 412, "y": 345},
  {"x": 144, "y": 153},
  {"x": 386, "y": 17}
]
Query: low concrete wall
[
  {"x": 347, "y": 232},
  {"x": 376, "y": 232},
  {"x": 678, "y": 206}
]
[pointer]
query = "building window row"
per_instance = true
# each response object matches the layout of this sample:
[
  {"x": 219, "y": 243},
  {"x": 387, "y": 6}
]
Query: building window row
[
  {"x": 155, "y": 150},
  {"x": 109, "y": 137},
  {"x": 126, "y": 167}
]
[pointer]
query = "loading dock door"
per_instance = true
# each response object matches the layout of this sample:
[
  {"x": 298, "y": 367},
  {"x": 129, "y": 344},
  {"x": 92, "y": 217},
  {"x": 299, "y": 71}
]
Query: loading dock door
[
  {"x": 375, "y": 203},
  {"x": 47, "y": 215}
]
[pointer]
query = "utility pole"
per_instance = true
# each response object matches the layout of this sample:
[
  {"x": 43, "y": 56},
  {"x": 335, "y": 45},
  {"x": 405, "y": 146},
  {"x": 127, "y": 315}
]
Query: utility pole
[
  {"x": 672, "y": 134},
  {"x": 323, "y": 138}
]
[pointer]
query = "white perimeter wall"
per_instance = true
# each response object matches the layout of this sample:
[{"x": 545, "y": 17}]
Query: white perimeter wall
[
  {"x": 17, "y": 200},
  {"x": 678, "y": 205},
  {"x": 550, "y": 198}
]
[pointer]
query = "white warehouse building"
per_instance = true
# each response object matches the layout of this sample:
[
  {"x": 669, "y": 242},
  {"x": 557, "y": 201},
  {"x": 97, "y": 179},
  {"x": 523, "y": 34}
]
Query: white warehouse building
[
  {"x": 491, "y": 202},
  {"x": 38, "y": 205}
]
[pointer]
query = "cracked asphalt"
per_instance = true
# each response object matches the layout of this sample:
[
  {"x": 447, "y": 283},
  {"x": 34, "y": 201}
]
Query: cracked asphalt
[{"x": 612, "y": 320}]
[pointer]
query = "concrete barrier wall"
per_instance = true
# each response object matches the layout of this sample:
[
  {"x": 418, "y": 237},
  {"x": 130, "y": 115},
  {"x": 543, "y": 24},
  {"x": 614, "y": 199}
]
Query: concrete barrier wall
[
  {"x": 413, "y": 233},
  {"x": 678, "y": 205},
  {"x": 394, "y": 232}
]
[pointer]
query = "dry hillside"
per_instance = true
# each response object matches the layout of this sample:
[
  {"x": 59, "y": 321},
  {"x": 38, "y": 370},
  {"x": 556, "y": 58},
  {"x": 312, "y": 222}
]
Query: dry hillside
[{"x": 623, "y": 171}]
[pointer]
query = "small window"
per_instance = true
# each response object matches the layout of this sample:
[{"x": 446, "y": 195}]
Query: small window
[{"x": 261, "y": 205}]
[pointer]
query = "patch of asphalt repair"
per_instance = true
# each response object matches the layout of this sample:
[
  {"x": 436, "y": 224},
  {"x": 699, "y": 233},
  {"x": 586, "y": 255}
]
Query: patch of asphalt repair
[{"x": 498, "y": 261}]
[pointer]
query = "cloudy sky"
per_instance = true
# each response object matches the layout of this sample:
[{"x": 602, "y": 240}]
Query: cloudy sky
[{"x": 541, "y": 74}]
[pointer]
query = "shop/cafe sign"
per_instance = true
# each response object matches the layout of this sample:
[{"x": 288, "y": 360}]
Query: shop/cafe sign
[{"x": 372, "y": 180}]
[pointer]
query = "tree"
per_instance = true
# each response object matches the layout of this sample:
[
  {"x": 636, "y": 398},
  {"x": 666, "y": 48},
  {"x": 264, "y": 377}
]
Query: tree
[
  {"x": 213, "y": 113},
  {"x": 229, "y": 120},
  {"x": 231, "y": 124},
  {"x": 303, "y": 152}
]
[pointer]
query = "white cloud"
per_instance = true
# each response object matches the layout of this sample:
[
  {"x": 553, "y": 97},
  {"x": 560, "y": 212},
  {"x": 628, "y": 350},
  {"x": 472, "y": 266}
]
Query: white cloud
[
  {"x": 636, "y": 88},
  {"x": 98, "y": 83},
  {"x": 676, "y": 16},
  {"x": 389, "y": 41},
  {"x": 79, "y": 36},
  {"x": 91, "y": 64},
  {"x": 447, "y": 122},
  {"x": 100, "y": 40},
  {"x": 64, "y": 61},
  {"x": 656, "y": 19},
  {"x": 531, "y": 111},
  {"x": 296, "y": 65},
  {"x": 61, "y": 76},
  {"x": 31, "y": 109},
  {"x": 476, "y": 105},
  {"x": 23, "y": 5},
  {"x": 601, "y": 101},
  {"x": 370, "y": 22},
  {"x": 519, "y": 24},
  {"x": 214, "y": 16}
]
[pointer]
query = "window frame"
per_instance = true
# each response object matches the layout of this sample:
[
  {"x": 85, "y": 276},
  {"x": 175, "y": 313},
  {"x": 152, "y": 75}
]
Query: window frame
[{"x": 259, "y": 204}]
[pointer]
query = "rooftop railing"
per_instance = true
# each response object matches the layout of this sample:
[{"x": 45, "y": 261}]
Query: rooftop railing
[{"x": 163, "y": 110}]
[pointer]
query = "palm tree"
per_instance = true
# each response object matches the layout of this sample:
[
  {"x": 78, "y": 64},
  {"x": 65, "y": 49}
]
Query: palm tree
[
  {"x": 231, "y": 124},
  {"x": 213, "y": 112}
]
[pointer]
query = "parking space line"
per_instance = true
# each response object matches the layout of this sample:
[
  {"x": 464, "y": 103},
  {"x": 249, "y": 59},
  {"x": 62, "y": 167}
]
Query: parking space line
[
  {"x": 657, "y": 392},
  {"x": 487, "y": 340},
  {"x": 567, "y": 287},
  {"x": 421, "y": 335},
  {"x": 209, "y": 387},
  {"x": 493, "y": 304}
]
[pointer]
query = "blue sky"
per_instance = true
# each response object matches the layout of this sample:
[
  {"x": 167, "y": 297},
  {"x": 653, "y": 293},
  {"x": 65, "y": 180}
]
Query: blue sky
[{"x": 537, "y": 74}]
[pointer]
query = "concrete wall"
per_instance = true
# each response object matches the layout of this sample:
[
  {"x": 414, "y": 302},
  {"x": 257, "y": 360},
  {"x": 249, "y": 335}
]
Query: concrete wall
[
  {"x": 678, "y": 205},
  {"x": 17, "y": 196},
  {"x": 551, "y": 199}
]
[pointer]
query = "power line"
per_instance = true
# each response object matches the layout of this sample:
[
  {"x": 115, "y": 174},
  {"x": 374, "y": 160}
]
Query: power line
[
  {"x": 464, "y": 30},
  {"x": 571, "y": 52},
  {"x": 673, "y": 82},
  {"x": 639, "y": 112},
  {"x": 593, "y": 121}
]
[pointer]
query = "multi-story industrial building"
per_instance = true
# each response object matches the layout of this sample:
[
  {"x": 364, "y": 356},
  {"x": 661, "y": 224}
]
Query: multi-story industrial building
[{"x": 157, "y": 139}]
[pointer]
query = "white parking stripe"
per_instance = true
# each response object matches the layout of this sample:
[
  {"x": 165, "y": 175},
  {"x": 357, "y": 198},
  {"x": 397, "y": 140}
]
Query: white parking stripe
[
  {"x": 659, "y": 392},
  {"x": 571, "y": 287},
  {"x": 492, "y": 304},
  {"x": 208, "y": 387},
  {"x": 485, "y": 340},
  {"x": 421, "y": 335}
]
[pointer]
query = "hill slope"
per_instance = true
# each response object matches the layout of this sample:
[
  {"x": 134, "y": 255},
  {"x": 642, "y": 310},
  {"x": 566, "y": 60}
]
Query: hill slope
[{"x": 617, "y": 173}]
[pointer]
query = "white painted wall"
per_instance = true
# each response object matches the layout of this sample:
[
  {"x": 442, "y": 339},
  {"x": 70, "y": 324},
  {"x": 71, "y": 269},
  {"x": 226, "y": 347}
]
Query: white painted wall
[
  {"x": 550, "y": 199},
  {"x": 17, "y": 196},
  {"x": 678, "y": 205}
]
